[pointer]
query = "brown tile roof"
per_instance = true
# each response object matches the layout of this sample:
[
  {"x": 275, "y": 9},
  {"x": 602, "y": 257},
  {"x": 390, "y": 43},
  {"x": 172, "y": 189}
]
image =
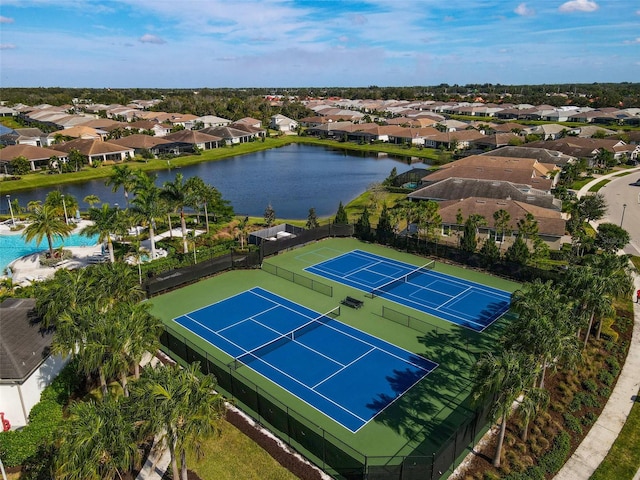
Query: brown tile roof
[
  {"x": 550, "y": 222},
  {"x": 87, "y": 146},
  {"x": 191, "y": 136},
  {"x": 140, "y": 140},
  {"x": 28, "y": 151},
  {"x": 526, "y": 171}
]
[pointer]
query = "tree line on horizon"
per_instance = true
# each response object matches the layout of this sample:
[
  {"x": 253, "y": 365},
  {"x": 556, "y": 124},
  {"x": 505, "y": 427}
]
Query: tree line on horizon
[{"x": 234, "y": 103}]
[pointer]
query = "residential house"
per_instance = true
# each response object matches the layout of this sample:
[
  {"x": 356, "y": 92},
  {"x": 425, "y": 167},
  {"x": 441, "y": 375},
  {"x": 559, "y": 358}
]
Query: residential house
[
  {"x": 207, "y": 121},
  {"x": 542, "y": 155},
  {"x": 97, "y": 150},
  {"x": 551, "y": 223},
  {"x": 283, "y": 124},
  {"x": 522, "y": 171},
  {"x": 184, "y": 141},
  {"x": 38, "y": 157},
  {"x": 79, "y": 131},
  {"x": 24, "y": 136},
  {"x": 461, "y": 139},
  {"x": 141, "y": 143},
  {"x": 159, "y": 129},
  {"x": 588, "y": 148},
  {"x": 231, "y": 135},
  {"x": 27, "y": 366},
  {"x": 455, "y": 188}
]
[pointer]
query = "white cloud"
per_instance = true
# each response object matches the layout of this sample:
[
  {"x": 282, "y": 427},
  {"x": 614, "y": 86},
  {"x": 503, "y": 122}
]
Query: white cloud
[
  {"x": 7, "y": 46},
  {"x": 637, "y": 40},
  {"x": 5, "y": 19},
  {"x": 148, "y": 38},
  {"x": 525, "y": 11},
  {"x": 579, "y": 6}
]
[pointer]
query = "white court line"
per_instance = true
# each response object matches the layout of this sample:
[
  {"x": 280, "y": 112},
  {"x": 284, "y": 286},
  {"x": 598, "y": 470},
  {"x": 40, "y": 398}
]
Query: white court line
[
  {"x": 285, "y": 374},
  {"x": 342, "y": 369}
]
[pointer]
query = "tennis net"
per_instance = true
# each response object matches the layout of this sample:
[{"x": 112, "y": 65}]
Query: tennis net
[
  {"x": 248, "y": 357},
  {"x": 376, "y": 292}
]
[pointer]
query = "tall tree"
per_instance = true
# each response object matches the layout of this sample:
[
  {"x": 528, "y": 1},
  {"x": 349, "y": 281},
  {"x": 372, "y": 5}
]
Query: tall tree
[
  {"x": 176, "y": 193},
  {"x": 181, "y": 406},
  {"x": 611, "y": 238},
  {"x": 504, "y": 376},
  {"x": 341, "y": 216},
  {"x": 501, "y": 219},
  {"x": 148, "y": 204},
  {"x": 269, "y": 216},
  {"x": 98, "y": 441},
  {"x": 122, "y": 176},
  {"x": 363, "y": 225},
  {"x": 312, "y": 219},
  {"x": 45, "y": 223},
  {"x": 471, "y": 225},
  {"x": 384, "y": 230},
  {"x": 106, "y": 222}
]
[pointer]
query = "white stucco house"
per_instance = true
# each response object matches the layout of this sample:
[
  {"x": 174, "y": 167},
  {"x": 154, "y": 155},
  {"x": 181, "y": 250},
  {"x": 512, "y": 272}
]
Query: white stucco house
[
  {"x": 283, "y": 124},
  {"x": 26, "y": 367}
]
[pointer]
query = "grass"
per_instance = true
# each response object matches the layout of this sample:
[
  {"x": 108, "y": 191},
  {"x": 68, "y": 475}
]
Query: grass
[
  {"x": 624, "y": 457},
  {"x": 598, "y": 186},
  {"x": 233, "y": 455}
]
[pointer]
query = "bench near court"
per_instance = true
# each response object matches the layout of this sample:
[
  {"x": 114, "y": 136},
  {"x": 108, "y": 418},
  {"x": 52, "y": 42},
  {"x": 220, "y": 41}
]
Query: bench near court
[{"x": 352, "y": 302}]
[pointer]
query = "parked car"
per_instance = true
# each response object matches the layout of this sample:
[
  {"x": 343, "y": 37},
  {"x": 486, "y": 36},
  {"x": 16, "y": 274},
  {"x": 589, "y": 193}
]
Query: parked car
[{"x": 636, "y": 183}]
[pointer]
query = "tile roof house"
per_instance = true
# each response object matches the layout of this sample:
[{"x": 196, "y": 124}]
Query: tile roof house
[
  {"x": 283, "y": 124},
  {"x": 588, "y": 148},
  {"x": 97, "y": 150},
  {"x": 38, "y": 157},
  {"x": 208, "y": 121},
  {"x": 230, "y": 135},
  {"x": 194, "y": 138},
  {"x": 551, "y": 224},
  {"x": 542, "y": 155},
  {"x": 524, "y": 171},
  {"x": 140, "y": 142},
  {"x": 26, "y": 366},
  {"x": 454, "y": 188},
  {"x": 24, "y": 136}
]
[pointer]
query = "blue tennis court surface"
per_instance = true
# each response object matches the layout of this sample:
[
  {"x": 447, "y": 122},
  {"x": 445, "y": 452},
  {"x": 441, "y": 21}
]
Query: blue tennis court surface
[
  {"x": 462, "y": 302},
  {"x": 345, "y": 373}
]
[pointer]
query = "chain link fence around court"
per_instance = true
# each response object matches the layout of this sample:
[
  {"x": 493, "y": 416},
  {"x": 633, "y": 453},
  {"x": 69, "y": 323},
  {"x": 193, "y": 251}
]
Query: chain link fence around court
[
  {"x": 307, "y": 282},
  {"x": 331, "y": 454}
]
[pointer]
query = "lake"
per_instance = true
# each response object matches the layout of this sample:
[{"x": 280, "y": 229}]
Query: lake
[{"x": 292, "y": 179}]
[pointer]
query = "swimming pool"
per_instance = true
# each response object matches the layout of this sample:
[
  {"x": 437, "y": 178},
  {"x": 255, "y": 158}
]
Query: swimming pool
[{"x": 13, "y": 247}]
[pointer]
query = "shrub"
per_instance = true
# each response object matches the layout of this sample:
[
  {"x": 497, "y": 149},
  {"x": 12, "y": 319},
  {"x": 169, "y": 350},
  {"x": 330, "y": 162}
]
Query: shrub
[
  {"x": 606, "y": 377},
  {"x": 572, "y": 423},
  {"x": 590, "y": 400},
  {"x": 590, "y": 385},
  {"x": 614, "y": 366},
  {"x": 551, "y": 462},
  {"x": 604, "y": 392},
  {"x": 589, "y": 419}
]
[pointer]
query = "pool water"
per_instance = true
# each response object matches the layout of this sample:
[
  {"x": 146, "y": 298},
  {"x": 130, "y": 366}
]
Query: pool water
[{"x": 13, "y": 247}]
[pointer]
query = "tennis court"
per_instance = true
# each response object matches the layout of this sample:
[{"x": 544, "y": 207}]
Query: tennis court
[
  {"x": 453, "y": 299},
  {"x": 349, "y": 375}
]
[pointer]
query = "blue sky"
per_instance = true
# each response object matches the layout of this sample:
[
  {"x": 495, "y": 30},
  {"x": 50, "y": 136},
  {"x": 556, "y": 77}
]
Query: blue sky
[{"x": 301, "y": 43}]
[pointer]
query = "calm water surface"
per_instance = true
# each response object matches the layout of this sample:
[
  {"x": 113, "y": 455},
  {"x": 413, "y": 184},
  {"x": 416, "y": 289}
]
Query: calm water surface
[{"x": 292, "y": 179}]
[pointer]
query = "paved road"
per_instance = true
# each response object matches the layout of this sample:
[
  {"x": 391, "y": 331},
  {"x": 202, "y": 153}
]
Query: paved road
[{"x": 618, "y": 192}]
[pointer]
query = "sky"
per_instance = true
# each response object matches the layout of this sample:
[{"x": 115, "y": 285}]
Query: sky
[{"x": 316, "y": 43}]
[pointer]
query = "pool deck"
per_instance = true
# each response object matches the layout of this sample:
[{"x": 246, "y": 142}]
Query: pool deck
[{"x": 27, "y": 269}]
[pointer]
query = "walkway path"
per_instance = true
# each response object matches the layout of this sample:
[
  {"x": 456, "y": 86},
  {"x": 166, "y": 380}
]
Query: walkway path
[{"x": 595, "y": 446}]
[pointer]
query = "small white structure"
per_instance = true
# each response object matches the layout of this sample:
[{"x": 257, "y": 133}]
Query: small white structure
[
  {"x": 26, "y": 367},
  {"x": 283, "y": 124}
]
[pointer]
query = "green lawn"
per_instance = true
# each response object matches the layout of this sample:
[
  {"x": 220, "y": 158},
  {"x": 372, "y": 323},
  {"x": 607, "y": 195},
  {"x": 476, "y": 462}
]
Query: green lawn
[
  {"x": 623, "y": 460},
  {"x": 233, "y": 455}
]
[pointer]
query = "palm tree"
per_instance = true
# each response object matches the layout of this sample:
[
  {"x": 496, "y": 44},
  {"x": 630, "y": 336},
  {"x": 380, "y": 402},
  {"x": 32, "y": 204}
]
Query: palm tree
[
  {"x": 618, "y": 271},
  {"x": 143, "y": 330},
  {"x": 45, "y": 223},
  {"x": 533, "y": 400},
  {"x": 97, "y": 441},
  {"x": 543, "y": 327},
  {"x": 91, "y": 200},
  {"x": 505, "y": 376},
  {"x": 181, "y": 406},
  {"x": 429, "y": 219},
  {"x": 106, "y": 222},
  {"x": 147, "y": 203},
  {"x": 122, "y": 176},
  {"x": 66, "y": 291},
  {"x": 501, "y": 220},
  {"x": 176, "y": 193}
]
